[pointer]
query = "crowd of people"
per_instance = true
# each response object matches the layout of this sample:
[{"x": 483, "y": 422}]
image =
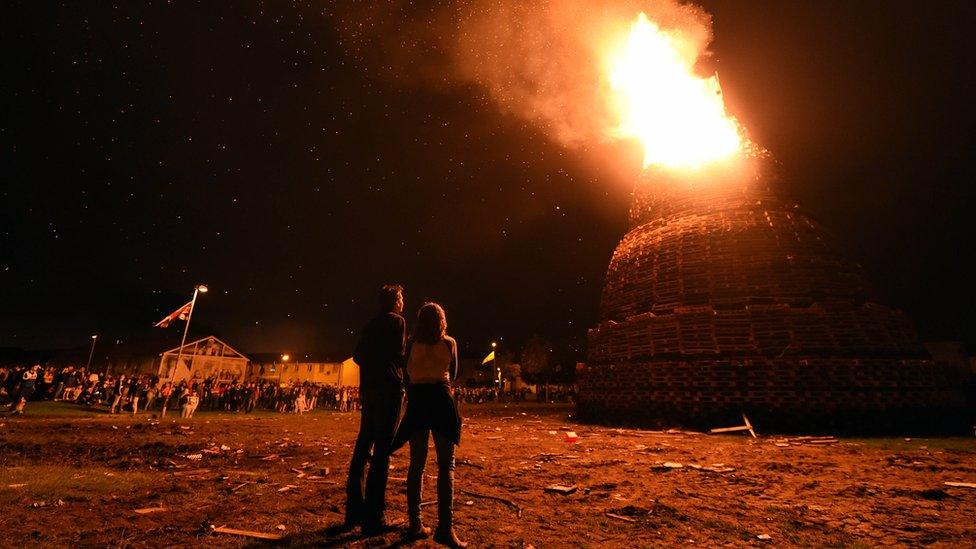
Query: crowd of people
[{"x": 120, "y": 393}]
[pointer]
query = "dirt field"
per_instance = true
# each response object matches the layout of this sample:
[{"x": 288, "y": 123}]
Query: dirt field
[{"x": 74, "y": 478}]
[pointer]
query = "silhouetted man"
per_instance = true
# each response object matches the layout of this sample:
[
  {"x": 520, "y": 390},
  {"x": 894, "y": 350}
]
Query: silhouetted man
[{"x": 379, "y": 355}]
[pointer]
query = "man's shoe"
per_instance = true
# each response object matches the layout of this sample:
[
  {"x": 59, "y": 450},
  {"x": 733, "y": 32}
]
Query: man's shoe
[{"x": 447, "y": 537}]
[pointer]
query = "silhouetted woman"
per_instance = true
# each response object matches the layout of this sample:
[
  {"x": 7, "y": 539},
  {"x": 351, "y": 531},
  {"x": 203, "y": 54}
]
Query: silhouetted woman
[{"x": 432, "y": 365}]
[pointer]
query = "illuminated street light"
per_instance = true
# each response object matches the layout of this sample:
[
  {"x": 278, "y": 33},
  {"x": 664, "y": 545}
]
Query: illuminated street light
[
  {"x": 91, "y": 353},
  {"x": 285, "y": 357},
  {"x": 202, "y": 288}
]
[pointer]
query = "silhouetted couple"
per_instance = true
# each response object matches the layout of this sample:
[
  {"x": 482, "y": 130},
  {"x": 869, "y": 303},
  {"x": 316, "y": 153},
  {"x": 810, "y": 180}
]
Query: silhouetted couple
[{"x": 425, "y": 365}]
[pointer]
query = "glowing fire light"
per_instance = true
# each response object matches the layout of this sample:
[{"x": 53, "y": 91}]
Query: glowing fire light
[{"x": 678, "y": 117}]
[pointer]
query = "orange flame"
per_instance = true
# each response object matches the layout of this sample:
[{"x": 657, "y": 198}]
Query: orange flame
[{"x": 678, "y": 117}]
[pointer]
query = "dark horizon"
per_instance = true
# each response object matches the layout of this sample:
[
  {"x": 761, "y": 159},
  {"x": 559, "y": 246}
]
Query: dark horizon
[{"x": 150, "y": 148}]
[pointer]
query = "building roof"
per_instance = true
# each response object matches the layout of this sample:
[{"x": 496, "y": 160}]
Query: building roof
[
  {"x": 295, "y": 358},
  {"x": 191, "y": 346}
]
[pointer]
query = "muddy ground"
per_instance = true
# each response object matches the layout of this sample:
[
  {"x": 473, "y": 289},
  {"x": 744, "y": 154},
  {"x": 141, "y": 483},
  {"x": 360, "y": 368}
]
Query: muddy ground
[{"x": 74, "y": 478}]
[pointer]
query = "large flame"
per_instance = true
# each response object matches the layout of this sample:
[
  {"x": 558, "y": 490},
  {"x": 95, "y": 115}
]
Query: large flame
[{"x": 679, "y": 117}]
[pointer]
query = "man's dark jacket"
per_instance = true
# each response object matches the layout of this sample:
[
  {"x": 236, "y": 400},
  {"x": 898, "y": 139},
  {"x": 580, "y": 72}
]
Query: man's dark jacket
[{"x": 379, "y": 353}]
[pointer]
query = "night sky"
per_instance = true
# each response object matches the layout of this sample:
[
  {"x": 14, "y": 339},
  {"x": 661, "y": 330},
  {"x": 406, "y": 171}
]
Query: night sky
[{"x": 145, "y": 148}]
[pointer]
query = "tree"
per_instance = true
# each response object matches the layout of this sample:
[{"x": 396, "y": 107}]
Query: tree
[
  {"x": 536, "y": 363},
  {"x": 510, "y": 369}
]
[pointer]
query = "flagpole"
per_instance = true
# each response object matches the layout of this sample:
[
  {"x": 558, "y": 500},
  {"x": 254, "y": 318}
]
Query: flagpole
[{"x": 186, "y": 329}]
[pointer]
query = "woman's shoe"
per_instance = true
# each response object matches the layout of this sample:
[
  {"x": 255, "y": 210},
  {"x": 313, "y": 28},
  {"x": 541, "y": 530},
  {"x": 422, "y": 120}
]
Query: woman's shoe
[
  {"x": 447, "y": 537},
  {"x": 417, "y": 530}
]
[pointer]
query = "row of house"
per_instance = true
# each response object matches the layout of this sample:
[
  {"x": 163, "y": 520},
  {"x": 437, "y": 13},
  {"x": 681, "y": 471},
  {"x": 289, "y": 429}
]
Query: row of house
[{"x": 210, "y": 357}]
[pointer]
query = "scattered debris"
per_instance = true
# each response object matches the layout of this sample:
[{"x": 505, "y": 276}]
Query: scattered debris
[
  {"x": 746, "y": 427},
  {"x": 190, "y": 472},
  {"x": 43, "y": 503},
  {"x": 21, "y": 485},
  {"x": 241, "y": 485},
  {"x": 620, "y": 517},
  {"x": 287, "y": 487},
  {"x": 713, "y": 468},
  {"x": 799, "y": 441},
  {"x": 764, "y": 537},
  {"x": 147, "y": 510},
  {"x": 194, "y": 457},
  {"x": 469, "y": 464},
  {"x": 961, "y": 484},
  {"x": 518, "y": 510},
  {"x": 246, "y": 533},
  {"x": 560, "y": 489},
  {"x": 668, "y": 466},
  {"x": 571, "y": 437}
]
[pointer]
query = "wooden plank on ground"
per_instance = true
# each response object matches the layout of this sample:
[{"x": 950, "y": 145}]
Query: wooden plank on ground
[{"x": 247, "y": 533}]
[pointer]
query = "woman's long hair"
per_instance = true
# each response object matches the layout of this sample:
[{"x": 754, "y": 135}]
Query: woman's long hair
[{"x": 431, "y": 324}]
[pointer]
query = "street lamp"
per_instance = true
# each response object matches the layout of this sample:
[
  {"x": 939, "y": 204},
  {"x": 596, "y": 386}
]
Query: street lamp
[
  {"x": 285, "y": 357},
  {"x": 498, "y": 370},
  {"x": 198, "y": 289},
  {"x": 91, "y": 353}
]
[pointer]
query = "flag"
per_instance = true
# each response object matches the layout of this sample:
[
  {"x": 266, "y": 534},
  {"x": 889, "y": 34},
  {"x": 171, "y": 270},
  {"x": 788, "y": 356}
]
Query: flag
[
  {"x": 489, "y": 358},
  {"x": 180, "y": 313}
]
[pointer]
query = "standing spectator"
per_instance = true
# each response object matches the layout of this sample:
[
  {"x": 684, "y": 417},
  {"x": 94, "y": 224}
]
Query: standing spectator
[
  {"x": 119, "y": 388},
  {"x": 28, "y": 381},
  {"x": 379, "y": 354},
  {"x": 192, "y": 401},
  {"x": 432, "y": 366}
]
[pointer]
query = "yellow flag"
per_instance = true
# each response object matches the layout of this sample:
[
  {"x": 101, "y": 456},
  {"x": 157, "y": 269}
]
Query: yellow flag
[{"x": 489, "y": 358}]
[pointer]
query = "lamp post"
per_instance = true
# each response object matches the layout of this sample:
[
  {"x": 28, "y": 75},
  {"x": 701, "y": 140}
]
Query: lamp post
[
  {"x": 91, "y": 353},
  {"x": 498, "y": 370},
  {"x": 284, "y": 359},
  {"x": 198, "y": 289}
]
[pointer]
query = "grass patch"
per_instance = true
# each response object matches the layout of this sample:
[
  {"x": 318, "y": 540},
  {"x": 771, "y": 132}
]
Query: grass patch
[
  {"x": 49, "y": 409},
  {"x": 901, "y": 444},
  {"x": 50, "y": 483}
]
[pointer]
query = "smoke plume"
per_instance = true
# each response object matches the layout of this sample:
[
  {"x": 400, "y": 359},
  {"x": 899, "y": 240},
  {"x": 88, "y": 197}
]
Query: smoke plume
[{"x": 537, "y": 60}]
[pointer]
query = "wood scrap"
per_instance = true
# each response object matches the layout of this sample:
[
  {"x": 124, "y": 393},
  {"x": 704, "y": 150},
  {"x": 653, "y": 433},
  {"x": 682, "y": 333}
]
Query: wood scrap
[
  {"x": 961, "y": 484},
  {"x": 247, "y": 533},
  {"x": 241, "y": 485},
  {"x": 190, "y": 472},
  {"x": 620, "y": 517},
  {"x": 746, "y": 427},
  {"x": 147, "y": 510},
  {"x": 560, "y": 489}
]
